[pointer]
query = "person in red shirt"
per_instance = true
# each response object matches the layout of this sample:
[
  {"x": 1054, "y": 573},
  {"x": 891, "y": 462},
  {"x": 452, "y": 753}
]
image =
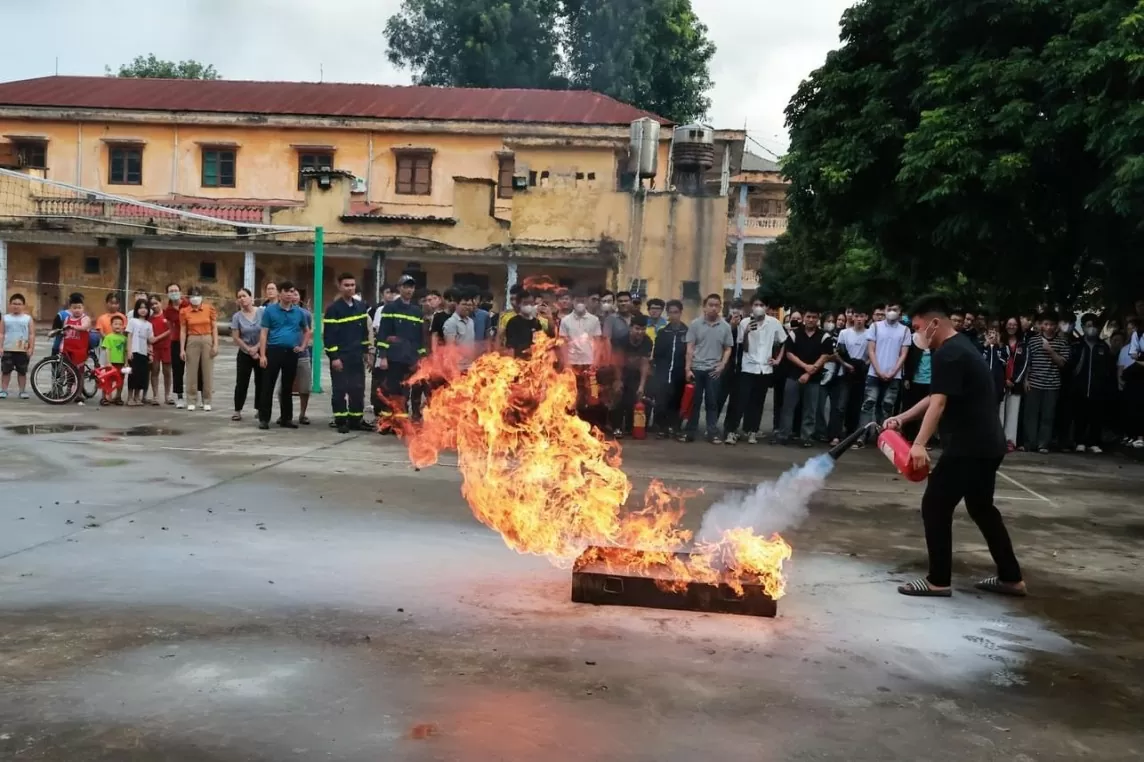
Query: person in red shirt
[
  {"x": 76, "y": 333},
  {"x": 161, "y": 350},
  {"x": 175, "y": 302}
]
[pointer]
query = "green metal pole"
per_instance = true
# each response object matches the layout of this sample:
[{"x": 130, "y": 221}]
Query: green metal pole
[{"x": 318, "y": 303}]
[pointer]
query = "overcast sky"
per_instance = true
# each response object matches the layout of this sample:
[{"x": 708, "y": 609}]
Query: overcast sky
[{"x": 765, "y": 47}]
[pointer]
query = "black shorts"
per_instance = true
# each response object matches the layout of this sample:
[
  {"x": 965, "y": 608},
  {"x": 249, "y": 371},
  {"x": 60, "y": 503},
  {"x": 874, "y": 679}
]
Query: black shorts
[{"x": 14, "y": 361}]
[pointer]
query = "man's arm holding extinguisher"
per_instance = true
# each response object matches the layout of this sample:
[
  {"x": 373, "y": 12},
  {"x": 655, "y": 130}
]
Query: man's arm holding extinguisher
[{"x": 931, "y": 407}]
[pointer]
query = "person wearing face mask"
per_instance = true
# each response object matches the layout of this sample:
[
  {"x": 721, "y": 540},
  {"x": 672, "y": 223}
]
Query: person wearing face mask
[
  {"x": 887, "y": 344},
  {"x": 852, "y": 353},
  {"x": 962, "y": 406},
  {"x": 580, "y": 332},
  {"x": 522, "y": 326},
  {"x": 828, "y": 417},
  {"x": 171, "y": 310},
  {"x": 762, "y": 339},
  {"x": 808, "y": 350},
  {"x": 198, "y": 346},
  {"x": 782, "y": 372},
  {"x": 1092, "y": 366},
  {"x": 616, "y": 322}
]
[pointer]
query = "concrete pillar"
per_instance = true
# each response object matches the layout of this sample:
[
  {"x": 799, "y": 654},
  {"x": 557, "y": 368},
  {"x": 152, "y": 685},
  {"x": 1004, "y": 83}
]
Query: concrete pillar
[
  {"x": 725, "y": 173},
  {"x": 248, "y": 274},
  {"x": 378, "y": 275},
  {"x": 740, "y": 224},
  {"x": 124, "y": 281},
  {"x": 510, "y": 281},
  {"x": 3, "y": 274}
]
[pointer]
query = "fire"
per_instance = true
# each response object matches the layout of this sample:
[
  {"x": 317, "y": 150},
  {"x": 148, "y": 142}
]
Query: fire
[{"x": 550, "y": 484}]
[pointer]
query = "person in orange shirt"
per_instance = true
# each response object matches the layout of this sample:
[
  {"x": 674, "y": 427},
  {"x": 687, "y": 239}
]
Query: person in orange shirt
[
  {"x": 198, "y": 346},
  {"x": 110, "y": 311}
]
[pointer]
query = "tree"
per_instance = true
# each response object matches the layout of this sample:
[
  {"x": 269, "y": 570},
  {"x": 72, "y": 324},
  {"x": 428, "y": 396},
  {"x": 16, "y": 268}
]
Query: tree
[
  {"x": 654, "y": 54},
  {"x": 477, "y": 43},
  {"x": 151, "y": 67},
  {"x": 990, "y": 142}
]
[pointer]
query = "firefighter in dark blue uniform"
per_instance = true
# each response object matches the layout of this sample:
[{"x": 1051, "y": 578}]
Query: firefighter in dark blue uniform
[
  {"x": 400, "y": 346},
  {"x": 345, "y": 335}
]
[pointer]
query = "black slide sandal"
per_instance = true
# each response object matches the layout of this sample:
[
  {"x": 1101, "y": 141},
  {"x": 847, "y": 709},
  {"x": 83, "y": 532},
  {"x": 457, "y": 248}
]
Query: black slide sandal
[
  {"x": 997, "y": 587},
  {"x": 921, "y": 589}
]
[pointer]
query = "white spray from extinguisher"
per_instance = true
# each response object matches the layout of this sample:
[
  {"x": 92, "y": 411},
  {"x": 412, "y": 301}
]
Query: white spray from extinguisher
[{"x": 772, "y": 506}]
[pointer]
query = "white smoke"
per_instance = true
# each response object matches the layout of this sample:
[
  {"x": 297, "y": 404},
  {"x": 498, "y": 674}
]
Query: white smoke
[{"x": 773, "y": 506}]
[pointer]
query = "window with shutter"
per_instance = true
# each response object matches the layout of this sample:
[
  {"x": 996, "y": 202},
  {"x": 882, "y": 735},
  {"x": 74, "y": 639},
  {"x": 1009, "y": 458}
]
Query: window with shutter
[
  {"x": 415, "y": 174},
  {"x": 506, "y": 169}
]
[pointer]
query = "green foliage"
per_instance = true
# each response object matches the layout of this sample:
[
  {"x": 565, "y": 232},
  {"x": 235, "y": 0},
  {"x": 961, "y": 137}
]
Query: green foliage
[
  {"x": 994, "y": 143},
  {"x": 477, "y": 43},
  {"x": 151, "y": 67},
  {"x": 654, "y": 54}
]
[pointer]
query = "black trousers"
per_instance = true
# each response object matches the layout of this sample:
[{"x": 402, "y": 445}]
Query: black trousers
[
  {"x": 623, "y": 408},
  {"x": 752, "y": 397},
  {"x": 284, "y": 361},
  {"x": 140, "y": 373},
  {"x": 247, "y": 366},
  {"x": 1088, "y": 421},
  {"x": 974, "y": 479},
  {"x": 730, "y": 391},
  {"x": 347, "y": 398},
  {"x": 910, "y": 397},
  {"x": 394, "y": 403},
  {"x": 668, "y": 398}
]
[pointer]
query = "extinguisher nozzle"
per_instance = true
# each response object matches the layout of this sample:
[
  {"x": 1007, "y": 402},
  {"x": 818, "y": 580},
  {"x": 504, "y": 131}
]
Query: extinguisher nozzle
[{"x": 839, "y": 449}]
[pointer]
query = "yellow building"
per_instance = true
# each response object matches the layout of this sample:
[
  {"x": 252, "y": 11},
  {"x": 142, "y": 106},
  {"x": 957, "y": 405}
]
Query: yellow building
[
  {"x": 758, "y": 216},
  {"x": 458, "y": 186}
]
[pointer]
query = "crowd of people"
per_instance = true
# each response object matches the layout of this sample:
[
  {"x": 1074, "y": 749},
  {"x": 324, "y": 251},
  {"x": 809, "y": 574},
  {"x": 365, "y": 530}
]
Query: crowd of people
[{"x": 1059, "y": 385}]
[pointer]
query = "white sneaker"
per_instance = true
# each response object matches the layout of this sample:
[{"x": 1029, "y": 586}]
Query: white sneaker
[
  {"x": 191, "y": 408},
  {"x": 1095, "y": 450},
  {"x": 206, "y": 408},
  {"x": 1080, "y": 448},
  {"x": 732, "y": 438},
  {"x": 752, "y": 438},
  {"x": 180, "y": 404}
]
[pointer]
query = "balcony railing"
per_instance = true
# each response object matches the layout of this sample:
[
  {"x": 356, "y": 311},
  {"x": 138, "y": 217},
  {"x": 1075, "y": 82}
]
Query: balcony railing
[{"x": 757, "y": 227}]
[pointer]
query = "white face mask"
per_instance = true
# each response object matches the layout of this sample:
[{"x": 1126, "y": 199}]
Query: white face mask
[
  {"x": 921, "y": 340},
  {"x": 196, "y": 301},
  {"x": 357, "y": 297},
  {"x": 528, "y": 310},
  {"x": 607, "y": 306},
  {"x": 828, "y": 326},
  {"x": 892, "y": 316},
  {"x": 580, "y": 308},
  {"x": 758, "y": 312},
  {"x": 173, "y": 296}
]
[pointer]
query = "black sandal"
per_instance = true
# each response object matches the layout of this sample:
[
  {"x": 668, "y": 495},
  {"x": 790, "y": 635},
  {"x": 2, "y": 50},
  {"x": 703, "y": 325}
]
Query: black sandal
[
  {"x": 920, "y": 588},
  {"x": 996, "y": 586}
]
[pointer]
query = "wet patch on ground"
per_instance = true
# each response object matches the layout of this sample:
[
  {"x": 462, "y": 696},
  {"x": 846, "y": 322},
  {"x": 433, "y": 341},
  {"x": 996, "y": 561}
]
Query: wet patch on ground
[
  {"x": 148, "y": 431},
  {"x": 49, "y": 428}
]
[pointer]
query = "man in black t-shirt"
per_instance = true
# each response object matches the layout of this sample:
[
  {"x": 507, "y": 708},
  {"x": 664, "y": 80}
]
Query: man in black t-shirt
[
  {"x": 519, "y": 329},
  {"x": 632, "y": 358},
  {"x": 807, "y": 351},
  {"x": 962, "y": 408}
]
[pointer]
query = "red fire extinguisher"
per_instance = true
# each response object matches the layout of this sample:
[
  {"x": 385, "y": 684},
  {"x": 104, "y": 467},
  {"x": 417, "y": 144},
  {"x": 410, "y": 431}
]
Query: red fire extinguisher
[
  {"x": 688, "y": 399},
  {"x": 639, "y": 421},
  {"x": 897, "y": 450}
]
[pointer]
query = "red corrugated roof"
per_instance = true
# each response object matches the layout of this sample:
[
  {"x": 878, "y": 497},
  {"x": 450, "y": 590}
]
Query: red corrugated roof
[{"x": 325, "y": 99}]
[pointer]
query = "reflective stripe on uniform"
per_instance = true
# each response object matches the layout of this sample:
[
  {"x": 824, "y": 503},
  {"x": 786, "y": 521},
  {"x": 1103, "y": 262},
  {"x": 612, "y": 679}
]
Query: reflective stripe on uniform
[
  {"x": 400, "y": 316},
  {"x": 330, "y": 321}
]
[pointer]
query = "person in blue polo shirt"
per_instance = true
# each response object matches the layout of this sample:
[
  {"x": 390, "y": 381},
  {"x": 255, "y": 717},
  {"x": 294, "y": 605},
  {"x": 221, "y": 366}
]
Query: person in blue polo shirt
[{"x": 285, "y": 335}]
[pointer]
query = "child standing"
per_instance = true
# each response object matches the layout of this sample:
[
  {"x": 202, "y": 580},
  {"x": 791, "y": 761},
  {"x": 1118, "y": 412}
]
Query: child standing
[
  {"x": 160, "y": 352},
  {"x": 18, "y": 338},
  {"x": 76, "y": 342},
  {"x": 140, "y": 337},
  {"x": 114, "y": 347}
]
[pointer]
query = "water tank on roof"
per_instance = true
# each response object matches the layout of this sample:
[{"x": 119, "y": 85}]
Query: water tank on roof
[
  {"x": 644, "y": 149},
  {"x": 694, "y": 148}
]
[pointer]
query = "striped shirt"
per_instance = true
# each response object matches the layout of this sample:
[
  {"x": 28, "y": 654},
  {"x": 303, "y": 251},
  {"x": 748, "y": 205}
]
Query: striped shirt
[{"x": 1043, "y": 372}]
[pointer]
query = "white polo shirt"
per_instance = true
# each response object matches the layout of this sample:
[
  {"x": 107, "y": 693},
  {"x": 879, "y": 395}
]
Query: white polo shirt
[{"x": 579, "y": 333}]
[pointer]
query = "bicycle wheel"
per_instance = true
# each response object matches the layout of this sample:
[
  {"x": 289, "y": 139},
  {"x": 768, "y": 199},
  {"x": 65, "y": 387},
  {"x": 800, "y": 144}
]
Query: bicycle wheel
[
  {"x": 90, "y": 382},
  {"x": 56, "y": 381}
]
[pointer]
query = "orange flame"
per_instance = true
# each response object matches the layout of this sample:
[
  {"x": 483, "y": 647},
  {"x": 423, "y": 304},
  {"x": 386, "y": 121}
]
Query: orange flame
[{"x": 550, "y": 484}]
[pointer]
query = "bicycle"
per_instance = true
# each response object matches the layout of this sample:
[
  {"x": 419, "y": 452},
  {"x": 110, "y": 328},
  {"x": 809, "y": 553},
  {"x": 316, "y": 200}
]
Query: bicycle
[{"x": 56, "y": 381}]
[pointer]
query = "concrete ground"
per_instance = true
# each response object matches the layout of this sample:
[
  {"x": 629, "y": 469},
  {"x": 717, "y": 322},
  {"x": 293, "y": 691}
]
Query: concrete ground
[{"x": 214, "y": 592}]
